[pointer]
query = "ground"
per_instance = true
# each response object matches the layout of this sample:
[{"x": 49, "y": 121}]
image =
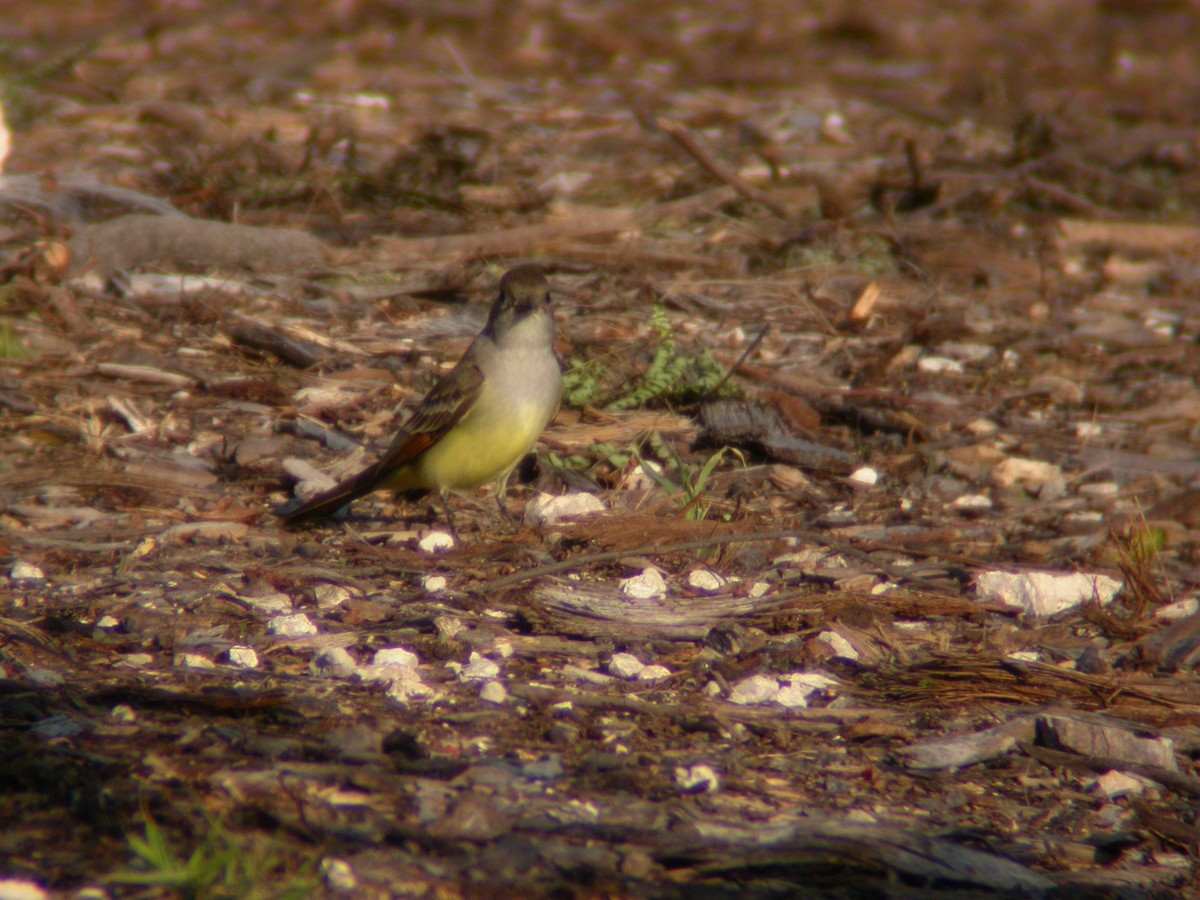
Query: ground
[{"x": 861, "y": 306}]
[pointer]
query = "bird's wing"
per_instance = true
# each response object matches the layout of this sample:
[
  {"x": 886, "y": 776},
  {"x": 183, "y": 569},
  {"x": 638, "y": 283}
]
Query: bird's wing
[{"x": 443, "y": 408}]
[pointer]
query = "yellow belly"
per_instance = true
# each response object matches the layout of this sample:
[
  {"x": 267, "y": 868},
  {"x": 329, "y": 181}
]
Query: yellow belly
[{"x": 479, "y": 449}]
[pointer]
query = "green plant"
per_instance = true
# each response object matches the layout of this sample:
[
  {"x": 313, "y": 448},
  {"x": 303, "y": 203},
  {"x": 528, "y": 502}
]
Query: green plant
[
  {"x": 692, "y": 479},
  {"x": 222, "y": 865},
  {"x": 673, "y": 376}
]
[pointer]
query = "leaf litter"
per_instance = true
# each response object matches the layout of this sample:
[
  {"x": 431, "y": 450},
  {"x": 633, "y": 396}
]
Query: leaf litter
[{"x": 863, "y": 314}]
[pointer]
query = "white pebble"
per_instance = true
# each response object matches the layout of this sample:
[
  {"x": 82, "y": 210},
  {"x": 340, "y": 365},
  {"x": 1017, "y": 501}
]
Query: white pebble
[
  {"x": 548, "y": 509},
  {"x": 842, "y": 648},
  {"x": 696, "y": 779},
  {"x": 479, "y": 668},
  {"x": 625, "y": 665},
  {"x": 243, "y": 657},
  {"x": 972, "y": 502},
  {"x": 408, "y": 687},
  {"x": 435, "y": 542},
  {"x": 654, "y": 673},
  {"x": 19, "y": 889},
  {"x": 335, "y": 661},
  {"x": 759, "y": 589},
  {"x": 193, "y": 661},
  {"x": 706, "y": 581},
  {"x": 338, "y": 874},
  {"x": 646, "y": 586},
  {"x": 23, "y": 571},
  {"x": 493, "y": 692},
  {"x": 395, "y": 656},
  {"x": 939, "y": 365},
  {"x": 293, "y": 626},
  {"x": 866, "y": 475},
  {"x": 331, "y": 596},
  {"x": 793, "y": 696},
  {"x": 433, "y": 584},
  {"x": 108, "y": 622},
  {"x": 753, "y": 690}
]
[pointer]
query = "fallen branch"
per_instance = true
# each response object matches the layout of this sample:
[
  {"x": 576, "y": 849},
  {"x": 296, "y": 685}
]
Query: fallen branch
[
  {"x": 689, "y": 142},
  {"x": 136, "y": 240}
]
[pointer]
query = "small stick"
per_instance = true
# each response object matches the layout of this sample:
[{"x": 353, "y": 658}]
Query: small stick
[{"x": 689, "y": 142}]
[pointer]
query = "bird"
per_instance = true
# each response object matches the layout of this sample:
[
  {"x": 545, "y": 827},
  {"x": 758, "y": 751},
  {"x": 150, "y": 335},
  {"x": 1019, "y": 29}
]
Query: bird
[{"x": 480, "y": 419}]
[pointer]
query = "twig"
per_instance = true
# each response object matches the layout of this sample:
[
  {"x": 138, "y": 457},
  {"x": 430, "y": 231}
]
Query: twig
[
  {"x": 758, "y": 339},
  {"x": 689, "y": 142},
  {"x": 567, "y": 565}
]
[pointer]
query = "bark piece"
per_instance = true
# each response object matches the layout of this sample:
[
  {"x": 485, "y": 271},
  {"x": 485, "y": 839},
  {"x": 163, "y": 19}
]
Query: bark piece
[{"x": 127, "y": 242}]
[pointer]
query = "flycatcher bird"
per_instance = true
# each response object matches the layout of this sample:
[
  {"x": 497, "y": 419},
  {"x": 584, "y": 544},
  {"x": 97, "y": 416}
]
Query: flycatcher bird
[{"x": 481, "y": 418}]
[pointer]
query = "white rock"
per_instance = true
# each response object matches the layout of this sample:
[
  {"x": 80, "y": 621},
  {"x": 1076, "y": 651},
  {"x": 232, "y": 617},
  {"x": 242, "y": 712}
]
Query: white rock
[
  {"x": 23, "y": 571},
  {"x": 395, "y": 656},
  {"x": 331, "y": 596},
  {"x": 436, "y": 542},
  {"x": 267, "y": 602},
  {"x": 293, "y": 626},
  {"x": 409, "y": 686},
  {"x": 108, "y": 622},
  {"x": 712, "y": 690},
  {"x": 1045, "y": 593},
  {"x": 865, "y": 475},
  {"x": 792, "y": 696},
  {"x": 939, "y": 365},
  {"x": 972, "y": 502},
  {"x": 493, "y": 692},
  {"x": 1114, "y": 784},
  {"x": 698, "y": 779},
  {"x": 1024, "y": 655},
  {"x": 193, "y": 661},
  {"x": 335, "y": 661},
  {"x": 243, "y": 657},
  {"x": 1181, "y": 609},
  {"x": 654, "y": 673},
  {"x": 646, "y": 586},
  {"x": 753, "y": 690},
  {"x": 449, "y": 627},
  {"x": 547, "y": 509},
  {"x": 479, "y": 668},
  {"x": 625, "y": 665},
  {"x": 812, "y": 681},
  {"x": 639, "y": 480},
  {"x": 1088, "y": 430},
  {"x": 1041, "y": 478},
  {"x": 137, "y": 660},
  {"x": 338, "y": 874},
  {"x": 842, "y": 648},
  {"x": 758, "y": 589},
  {"x": 968, "y": 353},
  {"x": 19, "y": 889},
  {"x": 433, "y": 584},
  {"x": 1103, "y": 489},
  {"x": 706, "y": 581}
]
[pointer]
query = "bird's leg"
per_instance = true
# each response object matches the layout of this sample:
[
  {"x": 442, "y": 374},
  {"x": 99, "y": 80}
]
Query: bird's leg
[
  {"x": 501, "y": 494},
  {"x": 449, "y": 518}
]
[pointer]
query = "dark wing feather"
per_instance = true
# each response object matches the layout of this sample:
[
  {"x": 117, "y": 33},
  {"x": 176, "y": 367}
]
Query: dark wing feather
[{"x": 441, "y": 409}]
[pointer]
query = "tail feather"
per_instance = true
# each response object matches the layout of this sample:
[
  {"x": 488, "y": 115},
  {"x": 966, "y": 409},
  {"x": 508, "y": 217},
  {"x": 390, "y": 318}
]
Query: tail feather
[{"x": 330, "y": 501}]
